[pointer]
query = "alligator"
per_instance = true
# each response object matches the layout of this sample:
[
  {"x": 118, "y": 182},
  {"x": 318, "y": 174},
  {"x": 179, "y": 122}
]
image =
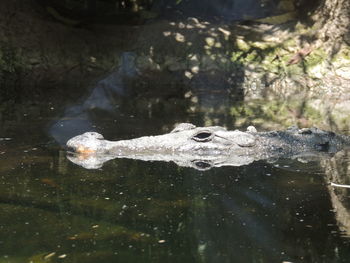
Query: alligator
[{"x": 206, "y": 147}]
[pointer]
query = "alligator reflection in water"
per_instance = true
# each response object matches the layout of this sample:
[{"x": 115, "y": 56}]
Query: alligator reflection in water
[{"x": 203, "y": 148}]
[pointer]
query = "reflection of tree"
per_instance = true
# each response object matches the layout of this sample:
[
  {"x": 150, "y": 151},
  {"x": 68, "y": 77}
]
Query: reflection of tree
[{"x": 338, "y": 171}]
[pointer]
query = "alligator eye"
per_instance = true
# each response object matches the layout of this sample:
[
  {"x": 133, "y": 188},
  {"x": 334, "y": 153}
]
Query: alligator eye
[
  {"x": 305, "y": 131},
  {"x": 203, "y": 136},
  {"x": 202, "y": 165}
]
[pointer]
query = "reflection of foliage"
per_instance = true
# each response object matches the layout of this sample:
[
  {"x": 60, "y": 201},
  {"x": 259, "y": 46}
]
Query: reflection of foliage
[
  {"x": 274, "y": 114},
  {"x": 11, "y": 67}
]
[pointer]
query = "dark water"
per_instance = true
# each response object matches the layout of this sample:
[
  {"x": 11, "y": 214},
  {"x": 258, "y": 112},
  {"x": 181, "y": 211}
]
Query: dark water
[{"x": 135, "y": 211}]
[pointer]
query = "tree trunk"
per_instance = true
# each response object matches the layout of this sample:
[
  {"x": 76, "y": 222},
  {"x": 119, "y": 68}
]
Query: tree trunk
[{"x": 333, "y": 18}]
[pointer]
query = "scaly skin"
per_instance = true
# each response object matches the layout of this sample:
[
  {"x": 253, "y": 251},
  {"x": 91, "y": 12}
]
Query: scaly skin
[{"x": 215, "y": 145}]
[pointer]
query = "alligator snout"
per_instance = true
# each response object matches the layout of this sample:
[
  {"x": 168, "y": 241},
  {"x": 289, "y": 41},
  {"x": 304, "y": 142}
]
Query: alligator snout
[
  {"x": 80, "y": 149},
  {"x": 87, "y": 143},
  {"x": 70, "y": 149}
]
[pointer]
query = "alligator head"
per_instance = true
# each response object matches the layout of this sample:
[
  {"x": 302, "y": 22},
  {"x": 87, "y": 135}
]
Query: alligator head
[{"x": 186, "y": 145}]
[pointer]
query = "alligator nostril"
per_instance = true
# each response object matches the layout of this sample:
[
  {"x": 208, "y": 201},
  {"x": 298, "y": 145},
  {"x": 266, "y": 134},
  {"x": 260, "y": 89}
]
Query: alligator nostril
[
  {"x": 71, "y": 149},
  {"x": 203, "y": 136}
]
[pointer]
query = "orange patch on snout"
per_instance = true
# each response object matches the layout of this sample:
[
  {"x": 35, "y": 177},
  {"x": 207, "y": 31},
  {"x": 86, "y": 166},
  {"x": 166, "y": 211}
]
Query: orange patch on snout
[{"x": 84, "y": 150}]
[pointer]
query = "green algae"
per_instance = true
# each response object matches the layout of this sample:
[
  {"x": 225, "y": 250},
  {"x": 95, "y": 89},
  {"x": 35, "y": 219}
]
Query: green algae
[{"x": 315, "y": 58}]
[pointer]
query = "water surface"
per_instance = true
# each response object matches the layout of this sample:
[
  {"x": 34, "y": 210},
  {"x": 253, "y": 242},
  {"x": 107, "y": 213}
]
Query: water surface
[{"x": 135, "y": 211}]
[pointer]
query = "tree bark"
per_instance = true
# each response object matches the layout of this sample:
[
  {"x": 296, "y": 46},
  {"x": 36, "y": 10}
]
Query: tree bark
[{"x": 333, "y": 18}]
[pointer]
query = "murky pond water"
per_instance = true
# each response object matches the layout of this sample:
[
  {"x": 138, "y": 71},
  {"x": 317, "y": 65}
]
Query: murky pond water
[
  {"x": 134, "y": 211},
  {"x": 187, "y": 69}
]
